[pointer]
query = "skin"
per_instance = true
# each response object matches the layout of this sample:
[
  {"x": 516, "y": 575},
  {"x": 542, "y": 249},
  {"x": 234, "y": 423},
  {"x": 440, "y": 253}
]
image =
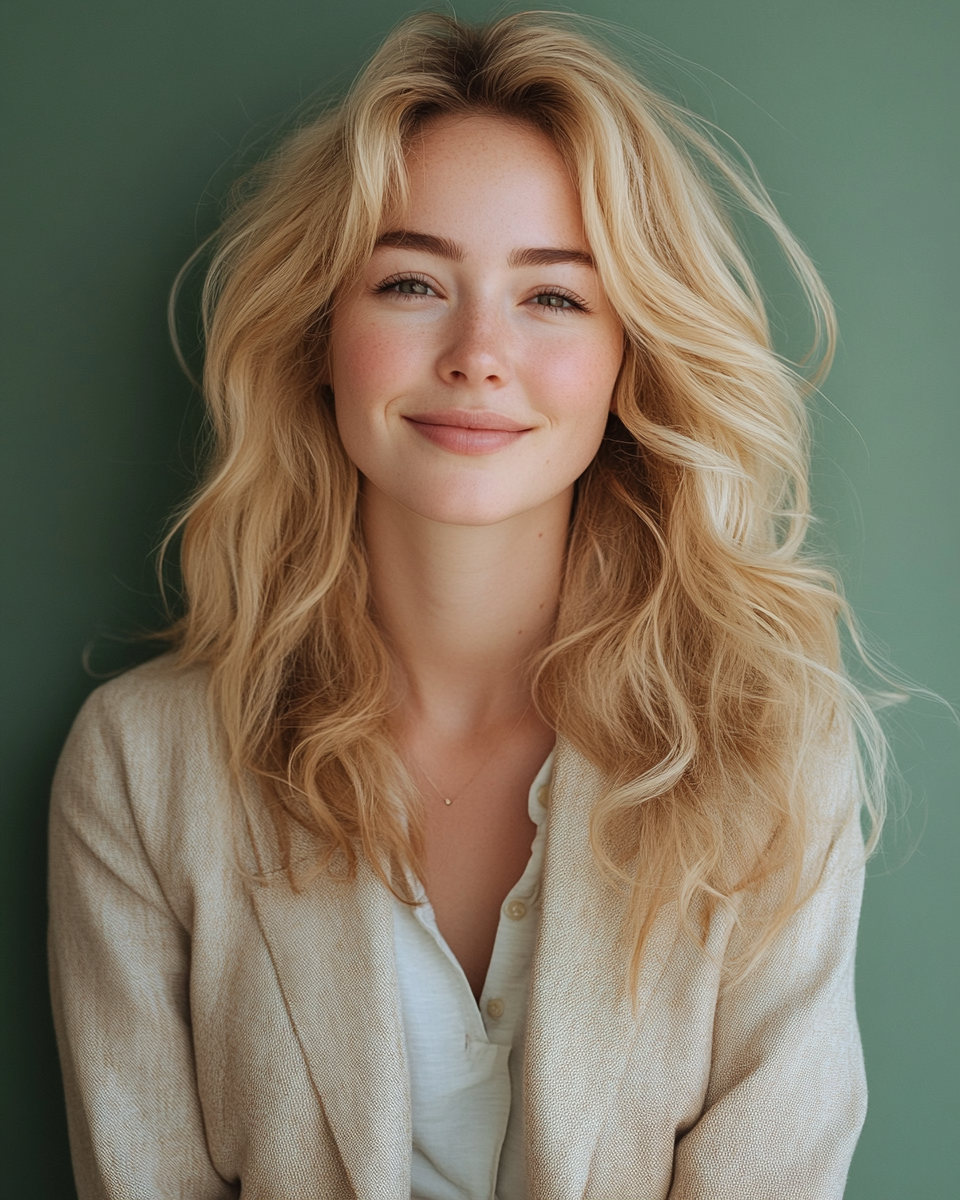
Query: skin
[{"x": 473, "y": 379}]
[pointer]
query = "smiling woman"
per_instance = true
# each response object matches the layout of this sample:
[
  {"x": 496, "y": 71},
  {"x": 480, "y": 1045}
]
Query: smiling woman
[{"x": 492, "y": 828}]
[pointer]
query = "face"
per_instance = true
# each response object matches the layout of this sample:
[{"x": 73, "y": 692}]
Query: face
[{"x": 474, "y": 360}]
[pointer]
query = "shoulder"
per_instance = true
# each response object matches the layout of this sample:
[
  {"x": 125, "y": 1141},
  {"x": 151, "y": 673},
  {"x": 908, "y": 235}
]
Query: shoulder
[
  {"x": 816, "y": 866},
  {"x": 156, "y": 695},
  {"x": 144, "y": 763},
  {"x": 152, "y": 711},
  {"x": 835, "y": 793}
]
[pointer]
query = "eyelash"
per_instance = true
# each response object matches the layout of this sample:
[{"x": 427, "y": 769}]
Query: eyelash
[
  {"x": 576, "y": 304},
  {"x": 574, "y": 301},
  {"x": 389, "y": 284}
]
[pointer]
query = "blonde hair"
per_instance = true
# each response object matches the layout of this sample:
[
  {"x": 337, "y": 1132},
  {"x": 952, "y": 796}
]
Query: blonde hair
[{"x": 696, "y": 659}]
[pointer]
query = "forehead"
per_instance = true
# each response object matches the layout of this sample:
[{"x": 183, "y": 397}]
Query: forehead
[{"x": 484, "y": 173}]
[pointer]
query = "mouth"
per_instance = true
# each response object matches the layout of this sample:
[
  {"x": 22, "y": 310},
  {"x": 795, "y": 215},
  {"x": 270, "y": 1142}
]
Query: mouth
[{"x": 467, "y": 431}]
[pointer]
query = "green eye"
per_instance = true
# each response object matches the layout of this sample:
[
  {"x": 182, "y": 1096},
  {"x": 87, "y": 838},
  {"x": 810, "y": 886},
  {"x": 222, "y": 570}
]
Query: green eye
[
  {"x": 412, "y": 287},
  {"x": 553, "y": 300}
]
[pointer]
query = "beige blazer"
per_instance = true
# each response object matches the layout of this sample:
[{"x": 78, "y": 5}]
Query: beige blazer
[{"x": 220, "y": 1036}]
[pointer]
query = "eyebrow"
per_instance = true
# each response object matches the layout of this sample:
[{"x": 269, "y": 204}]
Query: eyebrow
[
  {"x": 549, "y": 256},
  {"x": 407, "y": 239},
  {"x": 537, "y": 256}
]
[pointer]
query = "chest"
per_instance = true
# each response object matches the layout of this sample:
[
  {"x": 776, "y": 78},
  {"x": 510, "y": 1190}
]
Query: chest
[
  {"x": 465, "y": 1059},
  {"x": 476, "y": 850}
]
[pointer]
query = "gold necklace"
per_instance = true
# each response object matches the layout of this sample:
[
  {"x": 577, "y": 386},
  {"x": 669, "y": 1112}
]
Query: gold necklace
[{"x": 449, "y": 800}]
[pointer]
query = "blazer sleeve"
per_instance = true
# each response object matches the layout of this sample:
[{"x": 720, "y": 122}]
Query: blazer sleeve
[
  {"x": 119, "y": 962},
  {"x": 786, "y": 1097}
]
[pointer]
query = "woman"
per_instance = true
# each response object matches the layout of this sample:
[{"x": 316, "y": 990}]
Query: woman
[{"x": 492, "y": 830}]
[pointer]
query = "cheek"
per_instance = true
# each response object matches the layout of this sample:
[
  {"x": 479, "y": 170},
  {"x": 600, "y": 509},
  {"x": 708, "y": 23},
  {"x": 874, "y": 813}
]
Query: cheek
[
  {"x": 365, "y": 361},
  {"x": 581, "y": 384},
  {"x": 577, "y": 382}
]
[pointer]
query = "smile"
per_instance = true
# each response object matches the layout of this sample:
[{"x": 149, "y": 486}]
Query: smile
[{"x": 468, "y": 431}]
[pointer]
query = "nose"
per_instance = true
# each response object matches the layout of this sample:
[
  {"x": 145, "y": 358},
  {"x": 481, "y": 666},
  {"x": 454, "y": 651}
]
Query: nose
[{"x": 475, "y": 352}]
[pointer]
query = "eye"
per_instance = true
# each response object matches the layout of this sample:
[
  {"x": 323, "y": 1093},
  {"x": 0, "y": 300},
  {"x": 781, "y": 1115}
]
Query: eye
[
  {"x": 557, "y": 300},
  {"x": 406, "y": 285}
]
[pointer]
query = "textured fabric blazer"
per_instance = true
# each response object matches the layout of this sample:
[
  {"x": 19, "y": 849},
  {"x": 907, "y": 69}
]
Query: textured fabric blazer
[{"x": 222, "y": 1036}]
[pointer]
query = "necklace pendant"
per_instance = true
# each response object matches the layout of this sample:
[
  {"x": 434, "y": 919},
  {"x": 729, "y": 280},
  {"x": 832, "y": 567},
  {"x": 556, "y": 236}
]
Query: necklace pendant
[{"x": 447, "y": 802}]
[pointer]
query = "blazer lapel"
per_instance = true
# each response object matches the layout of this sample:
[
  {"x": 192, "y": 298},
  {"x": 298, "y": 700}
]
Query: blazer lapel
[
  {"x": 581, "y": 1025},
  {"x": 332, "y": 947}
]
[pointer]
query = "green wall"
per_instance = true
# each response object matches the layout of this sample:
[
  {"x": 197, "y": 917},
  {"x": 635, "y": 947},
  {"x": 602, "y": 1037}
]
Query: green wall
[{"x": 122, "y": 125}]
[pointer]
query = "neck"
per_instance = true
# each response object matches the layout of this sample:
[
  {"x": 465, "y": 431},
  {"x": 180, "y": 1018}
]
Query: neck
[{"x": 464, "y": 608}]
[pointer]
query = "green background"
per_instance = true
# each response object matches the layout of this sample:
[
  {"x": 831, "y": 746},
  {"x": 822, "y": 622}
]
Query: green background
[{"x": 123, "y": 125}]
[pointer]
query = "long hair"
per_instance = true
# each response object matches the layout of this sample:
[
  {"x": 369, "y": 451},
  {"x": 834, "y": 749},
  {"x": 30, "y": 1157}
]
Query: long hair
[{"x": 696, "y": 656}]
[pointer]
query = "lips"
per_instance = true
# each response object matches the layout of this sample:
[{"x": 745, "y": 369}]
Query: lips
[
  {"x": 469, "y": 418},
  {"x": 467, "y": 431}
]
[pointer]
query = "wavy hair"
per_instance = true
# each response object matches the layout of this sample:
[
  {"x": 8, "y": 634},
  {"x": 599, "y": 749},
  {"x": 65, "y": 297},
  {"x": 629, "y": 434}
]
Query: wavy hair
[{"x": 696, "y": 655}]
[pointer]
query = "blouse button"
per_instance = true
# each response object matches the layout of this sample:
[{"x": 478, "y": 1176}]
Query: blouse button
[
  {"x": 495, "y": 1008},
  {"x": 516, "y": 910}
]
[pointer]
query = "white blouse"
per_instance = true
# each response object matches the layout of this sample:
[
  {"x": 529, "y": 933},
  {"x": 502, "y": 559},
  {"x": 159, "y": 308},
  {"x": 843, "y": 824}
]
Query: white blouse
[{"x": 466, "y": 1062}]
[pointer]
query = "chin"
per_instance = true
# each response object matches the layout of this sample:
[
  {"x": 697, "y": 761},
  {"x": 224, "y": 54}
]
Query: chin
[
  {"x": 476, "y": 515},
  {"x": 469, "y": 506}
]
